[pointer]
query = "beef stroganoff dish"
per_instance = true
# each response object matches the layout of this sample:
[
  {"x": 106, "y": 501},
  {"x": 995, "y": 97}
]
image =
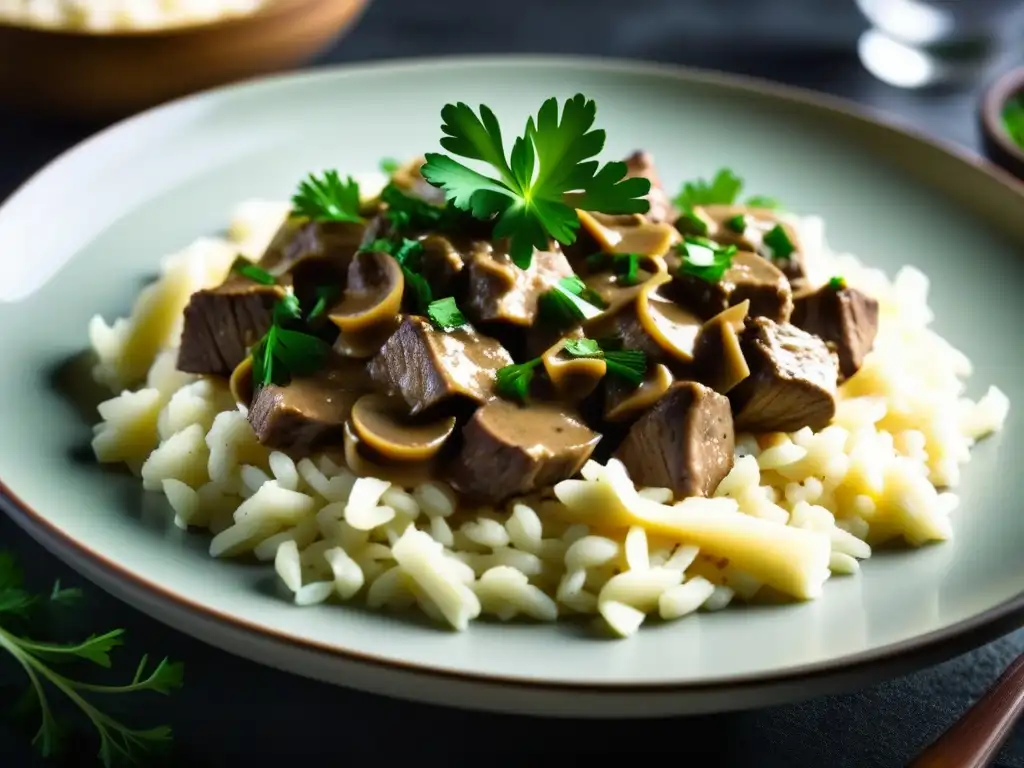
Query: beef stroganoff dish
[{"x": 532, "y": 385}]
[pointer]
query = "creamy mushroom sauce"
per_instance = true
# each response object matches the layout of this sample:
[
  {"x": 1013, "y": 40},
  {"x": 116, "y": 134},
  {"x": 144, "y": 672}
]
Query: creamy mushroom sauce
[{"x": 407, "y": 399}]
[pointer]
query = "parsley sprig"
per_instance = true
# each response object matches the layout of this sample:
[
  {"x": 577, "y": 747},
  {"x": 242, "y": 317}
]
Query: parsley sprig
[
  {"x": 837, "y": 283},
  {"x": 625, "y": 265},
  {"x": 445, "y": 314},
  {"x": 627, "y": 364},
  {"x": 569, "y": 302},
  {"x": 1013, "y": 118},
  {"x": 328, "y": 198},
  {"x": 705, "y": 259},
  {"x": 285, "y": 351},
  {"x": 548, "y": 175},
  {"x": 723, "y": 189},
  {"x": 118, "y": 742},
  {"x": 513, "y": 381},
  {"x": 778, "y": 244},
  {"x": 242, "y": 266}
]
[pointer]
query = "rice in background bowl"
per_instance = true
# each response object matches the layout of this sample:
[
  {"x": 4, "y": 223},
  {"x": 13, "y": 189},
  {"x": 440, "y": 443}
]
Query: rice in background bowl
[{"x": 122, "y": 15}]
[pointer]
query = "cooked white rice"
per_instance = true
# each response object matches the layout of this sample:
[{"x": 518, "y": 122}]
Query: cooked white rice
[{"x": 796, "y": 508}]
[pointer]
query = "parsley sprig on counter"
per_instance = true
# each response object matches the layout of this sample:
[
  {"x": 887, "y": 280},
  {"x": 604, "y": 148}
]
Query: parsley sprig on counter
[
  {"x": 550, "y": 173},
  {"x": 328, "y": 198},
  {"x": 285, "y": 351},
  {"x": 705, "y": 259},
  {"x": 118, "y": 742}
]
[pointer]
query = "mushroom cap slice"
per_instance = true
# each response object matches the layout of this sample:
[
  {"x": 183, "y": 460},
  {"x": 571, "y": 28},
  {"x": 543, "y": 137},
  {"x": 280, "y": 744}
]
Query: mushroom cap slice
[
  {"x": 368, "y": 312},
  {"x": 573, "y": 378},
  {"x": 622, "y": 402},
  {"x": 241, "y": 384},
  {"x": 408, "y": 474},
  {"x": 630, "y": 233},
  {"x": 384, "y": 425}
]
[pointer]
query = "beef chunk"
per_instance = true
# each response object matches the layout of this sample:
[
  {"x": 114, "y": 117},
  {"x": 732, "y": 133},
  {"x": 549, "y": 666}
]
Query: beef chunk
[
  {"x": 309, "y": 413},
  {"x": 844, "y": 317},
  {"x": 749, "y": 278},
  {"x": 222, "y": 323},
  {"x": 792, "y": 382},
  {"x": 685, "y": 442},
  {"x": 426, "y": 366},
  {"x": 499, "y": 291},
  {"x": 641, "y": 164},
  {"x": 510, "y": 450}
]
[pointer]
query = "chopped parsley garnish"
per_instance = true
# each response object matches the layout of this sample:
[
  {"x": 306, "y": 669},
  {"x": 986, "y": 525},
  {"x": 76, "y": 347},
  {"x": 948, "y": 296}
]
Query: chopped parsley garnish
[
  {"x": 723, "y": 189},
  {"x": 286, "y": 352},
  {"x": 624, "y": 265},
  {"x": 837, "y": 283},
  {"x": 118, "y": 743},
  {"x": 763, "y": 201},
  {"x": 705, "y": 259},
  {"x": 628, "y": 364},
  {"x": 548, "y": 175},
  {"x": 445, "y": 314},
  {"x": 405, "y": 212},
  {"x": 328, "y": 199},
  {"x": 737, "y": 223},
  {"x": 389, "y": 165},
  {"x": 513, "y": 381},
  {"x": 242, "y": 266},
  {"x": 325, "y": 296},
  {"x": 409, "y": 255},
  {"x": 568, "y": 303},
  {"x": 1013, "y": 118},
  {"x": 778, "y": 243}
]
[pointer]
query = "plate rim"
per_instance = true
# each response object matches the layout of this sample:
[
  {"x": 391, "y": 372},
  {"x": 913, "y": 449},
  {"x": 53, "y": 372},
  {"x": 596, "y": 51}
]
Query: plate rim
[{"x": 913, "y": 652}]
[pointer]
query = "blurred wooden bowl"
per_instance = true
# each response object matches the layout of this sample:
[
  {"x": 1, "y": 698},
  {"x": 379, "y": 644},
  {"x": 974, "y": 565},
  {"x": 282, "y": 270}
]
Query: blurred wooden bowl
[{"x": 100, "y": 76}]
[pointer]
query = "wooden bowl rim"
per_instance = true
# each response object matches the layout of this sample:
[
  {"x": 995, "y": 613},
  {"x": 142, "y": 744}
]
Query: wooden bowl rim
[{"x": 272, "y": 9}]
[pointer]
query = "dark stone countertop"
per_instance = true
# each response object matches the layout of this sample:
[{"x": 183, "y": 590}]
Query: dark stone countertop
[{"x": 233, "y": 712}]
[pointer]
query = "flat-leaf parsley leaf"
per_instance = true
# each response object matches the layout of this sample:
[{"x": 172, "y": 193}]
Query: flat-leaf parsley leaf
[
  {"x": 628, "y": 364},
  {"x": 328, "y": 199},
  {"x": 445, "y": 314},
  {"x": 705, "y": 259},
  {"x": 549, "y": 173},
  {"x": 284, "y": 352}
]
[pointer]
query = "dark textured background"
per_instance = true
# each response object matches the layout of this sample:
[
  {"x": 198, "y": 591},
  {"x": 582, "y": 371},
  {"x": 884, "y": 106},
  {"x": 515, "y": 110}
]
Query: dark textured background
[{"x": 233, "y": 712}]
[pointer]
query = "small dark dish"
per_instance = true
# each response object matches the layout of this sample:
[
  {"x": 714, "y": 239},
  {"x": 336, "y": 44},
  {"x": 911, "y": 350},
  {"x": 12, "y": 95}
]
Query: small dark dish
[{"x": 999, "y": 145}]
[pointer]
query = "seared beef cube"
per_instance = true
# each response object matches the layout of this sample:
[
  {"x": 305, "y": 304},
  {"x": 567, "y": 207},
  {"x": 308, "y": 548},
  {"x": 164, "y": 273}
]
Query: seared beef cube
[
  {"x": 717, "y": 355},
  {"x": 427, "y": 366},
  {"x": 792, "y": 382},
  {"x": 499, "y": 291},
  {"x": 315, "y": 253},
  {"x": 842, "y": 316},
  {"x": 510, "y": 450},
  {"x": 749, "y": 278},
  {"x": 641, "y": 164},
  {"x": 309, "y": 413},
  {"x": 222, "y": 323},
  {"x": 685, "y": 442}
]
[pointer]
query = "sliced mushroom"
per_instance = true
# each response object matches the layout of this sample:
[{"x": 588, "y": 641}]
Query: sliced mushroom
[
  {"x": 240, "y": 382},
  {"x": 718, "y": 358},
  {"x": 573, "y": 378},
  {"x": 384, "y": 425},
  {"x": 624, "y": 403},
  {"x": 652, "y": 323},
  {"x": 360, "y": 458},
  {"x": 613, "y": 290},
  {"x": 368, "y": 312},
  {"x": 630, "y": 233}
]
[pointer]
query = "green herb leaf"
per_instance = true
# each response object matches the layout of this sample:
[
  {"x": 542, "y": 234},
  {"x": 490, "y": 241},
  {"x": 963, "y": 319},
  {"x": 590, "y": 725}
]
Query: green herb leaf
[
  {"x": 328, "y": 199},
  {"x": 445, "y": 314},
  {"x": 284, "y": 352},
  {"x": 628, "y": 364},
  {"x": 690, "y": 221},
  {"x": 242, "y": 266},
  {"x": 389, "y": 165},
  {"x": 326, "y": 295},
  {"x": 564, "y": 305},
  {"x": 513, "y": 381},
  {"x": 549, "y": 173},
  {"x": 722, "y": 190},
  {"x": 837, "y": 283},
  {"x": 1013, "y": 118},
  {"x": 705, "y": 259},
  {"x": 762, "y": 201},
  {"x": 117, "y": 742},
  {"x": 778, "y": 243},
  {"x": 625, "y": 265},
  {"x": 64, "y": 596},
  {"x": 737, "y": 223},
  {"x": 409, "y": 255}
]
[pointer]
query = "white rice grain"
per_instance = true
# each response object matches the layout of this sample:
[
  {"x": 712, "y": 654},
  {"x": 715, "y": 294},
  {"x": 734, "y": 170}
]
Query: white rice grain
[
  {"x": 435, "y": 499},
  {"x": 683, "y": 599},
  {"x": 590, "y": 552},
  {"x": 314, "y": 593},
  {"x": 288, "y": 566},
  {"x": 361, "y": 510},
  {"x": 348, "y": 576}
]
